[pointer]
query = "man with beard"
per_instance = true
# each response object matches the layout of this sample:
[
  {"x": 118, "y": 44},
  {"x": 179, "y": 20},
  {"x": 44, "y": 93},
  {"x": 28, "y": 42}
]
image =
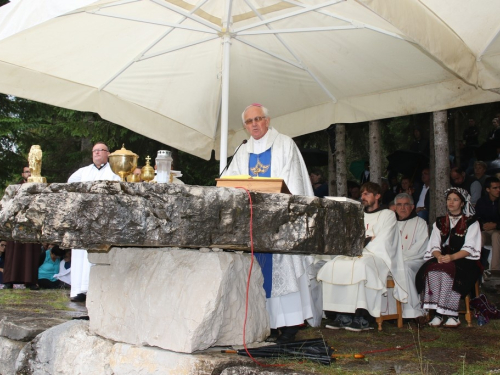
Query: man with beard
[
  {"x": 414, "y": 237},
  {"x": 353, "y": 286}
]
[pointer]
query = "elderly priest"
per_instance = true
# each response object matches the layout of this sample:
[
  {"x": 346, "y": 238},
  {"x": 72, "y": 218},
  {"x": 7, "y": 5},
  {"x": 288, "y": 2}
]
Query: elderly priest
[
  {"x": 414, "y": 237},
  {"x": 291, "y": 289}
]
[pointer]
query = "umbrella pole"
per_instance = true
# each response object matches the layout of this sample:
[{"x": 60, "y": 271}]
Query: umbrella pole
[{"x": 226, "y": 48}]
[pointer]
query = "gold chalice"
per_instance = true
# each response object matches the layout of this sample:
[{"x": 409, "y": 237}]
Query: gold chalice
[{"x": 123, "y": 162}]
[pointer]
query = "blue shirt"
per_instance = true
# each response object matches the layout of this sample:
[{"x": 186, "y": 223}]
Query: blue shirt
[{"x": 49, "y": 267}]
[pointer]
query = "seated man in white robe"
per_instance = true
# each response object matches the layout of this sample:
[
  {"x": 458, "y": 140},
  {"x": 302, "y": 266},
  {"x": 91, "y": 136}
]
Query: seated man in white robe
[
  {"x": 353, "y": 286},
  {"x": 289, "y": 280},
  {"x": 414, "y": 237}
]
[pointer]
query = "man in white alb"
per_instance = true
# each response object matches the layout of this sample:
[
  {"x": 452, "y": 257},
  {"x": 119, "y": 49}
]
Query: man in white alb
[
  {"x": 292, "y": 293},
  {"x": 414, "y": 237},
  {"x": 80, "y": 266},
  {"x": 353, "y": 286}
]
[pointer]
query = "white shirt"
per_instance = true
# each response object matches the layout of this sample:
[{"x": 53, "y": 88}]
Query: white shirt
[
  {"x": 91, "y": 173},
  {"x": 421, "y": 199}
]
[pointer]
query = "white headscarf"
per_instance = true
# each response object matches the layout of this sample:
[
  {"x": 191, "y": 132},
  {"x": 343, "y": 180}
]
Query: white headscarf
[{"x": 468, "y": 210}]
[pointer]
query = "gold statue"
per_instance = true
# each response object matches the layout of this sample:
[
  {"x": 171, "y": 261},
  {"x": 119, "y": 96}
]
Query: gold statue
[{"x": 35, "y": 163}]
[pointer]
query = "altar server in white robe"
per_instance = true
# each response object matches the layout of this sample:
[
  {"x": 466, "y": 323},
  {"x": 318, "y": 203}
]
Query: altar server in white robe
[
  {"x": 292, "y": 292},
  {"x": 353, "y": 286},
  {"x": 414, "y": 238},
  {"x": 80, "y": 266}
]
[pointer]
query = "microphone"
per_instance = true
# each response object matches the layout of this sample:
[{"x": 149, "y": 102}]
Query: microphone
[{"x": 232, "y": 157}]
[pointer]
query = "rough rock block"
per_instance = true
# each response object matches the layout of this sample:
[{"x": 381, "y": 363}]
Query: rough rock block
[
  {"x": 9, "y": 350},
  {"x": 180, "y": 300},
  {"x": 97, "y": 215},
  {"x": 131, "y": 360},
  {"x": 68, "y": 348},
  {"x": 25, "y": 329}
]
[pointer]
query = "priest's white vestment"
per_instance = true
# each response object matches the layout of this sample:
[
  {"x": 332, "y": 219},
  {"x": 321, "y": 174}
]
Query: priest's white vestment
[
  {"x": 80, "y": 266},
  {"x": 295, "y": 293},
  {"x": 414, "y": 238},
  {"x": 350, "y": 283}
]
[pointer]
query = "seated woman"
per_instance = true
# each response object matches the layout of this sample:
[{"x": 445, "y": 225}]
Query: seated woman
[
  {"x": 49, "y": 268},
  {"x": 453, "y": 256}
]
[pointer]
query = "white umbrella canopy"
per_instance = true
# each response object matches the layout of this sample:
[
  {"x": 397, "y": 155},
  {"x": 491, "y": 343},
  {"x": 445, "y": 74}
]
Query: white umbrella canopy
[{"x": 182, "y": 71}]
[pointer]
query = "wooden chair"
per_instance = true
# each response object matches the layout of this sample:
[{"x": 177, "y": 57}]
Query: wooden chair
[
  {"x": 467, "y": 312},
  {"x": 399, "y": 309}
]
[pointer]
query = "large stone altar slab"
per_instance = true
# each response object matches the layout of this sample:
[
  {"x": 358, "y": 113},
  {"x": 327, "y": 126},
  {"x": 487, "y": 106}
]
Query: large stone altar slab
[{"x": 101, "y": 214}]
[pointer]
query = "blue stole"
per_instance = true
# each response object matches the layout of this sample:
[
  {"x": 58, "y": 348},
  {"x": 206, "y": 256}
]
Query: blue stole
[{"x": 260, "y": 166}]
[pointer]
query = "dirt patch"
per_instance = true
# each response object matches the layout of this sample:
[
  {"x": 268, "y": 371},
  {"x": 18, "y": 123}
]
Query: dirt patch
[{"x": 409, "y": 350}]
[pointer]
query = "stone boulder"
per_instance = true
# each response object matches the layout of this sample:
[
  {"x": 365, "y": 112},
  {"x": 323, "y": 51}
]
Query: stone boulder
[
  {"x": 180, "y": 300},
  {"x": 9, "y": 350},
  {"x": 71, "y": 349},
  {"x": 25, "y": 329},
  {"x": 68, "y": 348},
  {"x": 98, "y": 215}
]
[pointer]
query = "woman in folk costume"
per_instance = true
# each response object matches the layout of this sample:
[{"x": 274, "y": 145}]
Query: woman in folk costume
[{"x": 452, "y": 255}]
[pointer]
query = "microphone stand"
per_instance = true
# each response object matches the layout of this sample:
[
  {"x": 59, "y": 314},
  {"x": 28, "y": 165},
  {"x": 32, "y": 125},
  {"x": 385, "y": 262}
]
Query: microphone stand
[{"x": 232, "y": 157}]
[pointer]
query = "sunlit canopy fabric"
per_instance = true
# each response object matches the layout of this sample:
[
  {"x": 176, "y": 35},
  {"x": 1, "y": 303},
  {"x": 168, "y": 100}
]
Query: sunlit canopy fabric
[{"x": 158, "y": 67}]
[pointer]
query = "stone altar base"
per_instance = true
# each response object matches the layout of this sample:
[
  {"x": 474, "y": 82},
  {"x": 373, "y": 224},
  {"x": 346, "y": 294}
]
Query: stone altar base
[
  {"x": 177, "y": 299},
  {"x": 71, "y": 349}
]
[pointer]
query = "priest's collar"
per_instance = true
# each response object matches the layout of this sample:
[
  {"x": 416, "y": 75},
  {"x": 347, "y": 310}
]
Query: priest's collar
[
  {"x": 411, "y": 216},
  {"x": 101, "y": 166},
  {"x": 380, "y": 208},
  {"x": 259, "y": 145}
]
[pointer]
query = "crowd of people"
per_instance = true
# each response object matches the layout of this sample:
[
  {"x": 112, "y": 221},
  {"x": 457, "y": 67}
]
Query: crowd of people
[{"x": 430, "y": 273}]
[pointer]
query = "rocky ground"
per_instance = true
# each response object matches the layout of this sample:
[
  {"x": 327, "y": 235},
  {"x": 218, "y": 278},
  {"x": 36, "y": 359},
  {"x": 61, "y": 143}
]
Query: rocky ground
[{"x": 410, "y": 350}]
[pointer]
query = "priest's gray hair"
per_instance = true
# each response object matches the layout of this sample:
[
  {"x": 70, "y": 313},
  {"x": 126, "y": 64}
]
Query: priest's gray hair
[
  {"x": 403, "y": 196},
  {"x": 265, "y": 111}
]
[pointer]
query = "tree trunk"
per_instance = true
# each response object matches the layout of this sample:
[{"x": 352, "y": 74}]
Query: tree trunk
[
  {"x": 457, "y": 139},
  {"x": 341, "y": 160},
  {"x": 442, "y": 164},
  {"x": 375, "y": 160},
  {"x": 432, "y": 170},
  {"x": 332, "y": 172}
]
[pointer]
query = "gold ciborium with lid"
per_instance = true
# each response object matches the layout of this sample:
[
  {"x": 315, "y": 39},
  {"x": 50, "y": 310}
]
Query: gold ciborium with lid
[{"x": 123, "y": 162}]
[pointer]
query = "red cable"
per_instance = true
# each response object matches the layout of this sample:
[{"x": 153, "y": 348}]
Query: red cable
[{"x": 248, "y": 285}]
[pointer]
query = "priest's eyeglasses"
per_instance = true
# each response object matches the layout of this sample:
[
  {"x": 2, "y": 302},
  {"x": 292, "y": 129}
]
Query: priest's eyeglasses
[
  {"x": 403, "y": 205},
  {"x": 256, "y": 119},
  {"x": 99, "y": 150}
]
